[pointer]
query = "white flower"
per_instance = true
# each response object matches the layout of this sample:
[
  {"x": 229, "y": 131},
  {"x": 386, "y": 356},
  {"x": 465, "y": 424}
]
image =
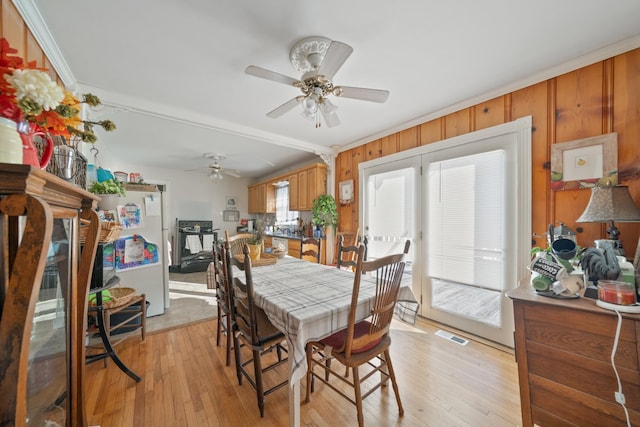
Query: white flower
[{"x": 37, "y": 86}]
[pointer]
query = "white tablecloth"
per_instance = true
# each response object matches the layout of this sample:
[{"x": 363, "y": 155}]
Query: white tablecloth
[{"x": 311, "y": 301}]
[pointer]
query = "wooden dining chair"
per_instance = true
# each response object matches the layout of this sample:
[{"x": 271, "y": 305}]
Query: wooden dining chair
[
  {"x": 365, "y": 342},
  {"x": 256, "y": 332},
  {"x": 351, "y": 238},
  {"x": 311, "y": 249},
  {"x": 237, "y": 241},
  {"x": 217, "y": 279},
  {"x": 348, "y": 254}
]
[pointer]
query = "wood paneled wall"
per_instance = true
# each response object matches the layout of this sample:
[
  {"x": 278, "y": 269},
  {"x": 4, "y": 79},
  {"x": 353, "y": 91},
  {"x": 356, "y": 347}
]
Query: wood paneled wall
[{"x": 597, "y": 99}]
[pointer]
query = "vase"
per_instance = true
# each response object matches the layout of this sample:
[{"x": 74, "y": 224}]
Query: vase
[
  {"x": 108, "y": 202},
  {"x": 10, "y": 142},
  {"x": 64, "y": 158},
  {"x": 30, "y": 156},
  {"x": 254, "y": 252}
]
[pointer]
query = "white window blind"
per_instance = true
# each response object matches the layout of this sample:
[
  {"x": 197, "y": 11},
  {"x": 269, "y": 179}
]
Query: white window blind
[
  {"x": 283, "y": 214},
  {"x": 466, "y": 231}
]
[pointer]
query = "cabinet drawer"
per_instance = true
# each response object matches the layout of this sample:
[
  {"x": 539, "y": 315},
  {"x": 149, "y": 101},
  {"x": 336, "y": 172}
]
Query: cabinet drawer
[
  {"x": 592, "y": 376},
  {"x": 592, "y": 336}
]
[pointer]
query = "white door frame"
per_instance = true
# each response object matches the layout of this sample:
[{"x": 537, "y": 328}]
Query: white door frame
[{"x": 521, "y": 129}]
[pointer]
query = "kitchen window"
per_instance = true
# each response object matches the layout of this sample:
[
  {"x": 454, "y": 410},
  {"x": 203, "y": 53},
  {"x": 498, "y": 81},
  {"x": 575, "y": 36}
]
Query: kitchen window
[{"x": 283, "y": 215}]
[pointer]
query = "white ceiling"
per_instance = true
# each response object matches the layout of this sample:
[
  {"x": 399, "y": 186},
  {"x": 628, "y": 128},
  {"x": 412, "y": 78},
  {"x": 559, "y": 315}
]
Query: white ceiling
[{"x": 171, "y": 73}]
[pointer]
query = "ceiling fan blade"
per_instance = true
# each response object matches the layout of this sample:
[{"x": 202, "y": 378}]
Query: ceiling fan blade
[
  {"x": 337, "y": 53},
  {"x": 231, "y": 173},
  {"x": 373, "y": 95},
  {"x": 290, "y": 104},
  {"x": 329, "y": 114},
  {"x": 271, "y": 75}
]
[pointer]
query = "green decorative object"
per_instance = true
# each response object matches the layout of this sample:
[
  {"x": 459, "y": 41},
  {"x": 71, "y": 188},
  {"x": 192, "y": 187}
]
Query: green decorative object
[
  {"x": 109, "y": 192},
  {"x": 110, "y": 186},
  {"x": 325, "y": 211}
]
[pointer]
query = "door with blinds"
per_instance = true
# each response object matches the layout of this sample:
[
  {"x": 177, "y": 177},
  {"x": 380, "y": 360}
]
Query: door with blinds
[
  {"x": 391, "y": 213},
  {"x": 465, "y": 203}
]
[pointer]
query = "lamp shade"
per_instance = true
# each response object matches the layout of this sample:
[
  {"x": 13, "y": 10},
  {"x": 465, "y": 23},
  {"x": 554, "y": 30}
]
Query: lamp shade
[{"x": 610, "y": 203}]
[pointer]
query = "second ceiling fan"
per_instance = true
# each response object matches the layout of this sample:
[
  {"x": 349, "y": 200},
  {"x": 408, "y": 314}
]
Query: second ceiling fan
[{"x": 319, "y": 59}]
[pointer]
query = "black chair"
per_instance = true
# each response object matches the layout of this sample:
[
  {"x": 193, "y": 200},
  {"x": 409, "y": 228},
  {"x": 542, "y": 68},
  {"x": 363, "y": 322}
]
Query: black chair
[
  {"x": 255, "y": 331},
  {"x": 217, "y": 279},
  {"x": 311, "y": 249}
]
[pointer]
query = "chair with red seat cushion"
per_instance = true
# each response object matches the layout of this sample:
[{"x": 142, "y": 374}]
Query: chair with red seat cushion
[{"x": 362, "y": 342}]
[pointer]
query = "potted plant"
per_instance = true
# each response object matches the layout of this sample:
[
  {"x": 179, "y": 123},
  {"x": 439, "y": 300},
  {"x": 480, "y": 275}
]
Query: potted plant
[
  {"x": 109, "y": 191},
  {"x": 255, "y": 242},
  {"x": 325, "y": 211}
]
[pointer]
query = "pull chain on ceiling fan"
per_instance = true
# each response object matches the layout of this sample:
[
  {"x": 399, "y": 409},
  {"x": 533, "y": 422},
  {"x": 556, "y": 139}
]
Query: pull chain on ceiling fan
[{"x": 318, "y": 58}]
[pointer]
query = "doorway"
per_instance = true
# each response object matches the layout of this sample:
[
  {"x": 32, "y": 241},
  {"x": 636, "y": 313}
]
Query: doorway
[{"x": 465, "y": 205}]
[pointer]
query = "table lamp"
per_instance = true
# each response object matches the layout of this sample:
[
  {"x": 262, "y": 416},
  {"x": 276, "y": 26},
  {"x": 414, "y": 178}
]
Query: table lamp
[{"x": 611, "y": 204}]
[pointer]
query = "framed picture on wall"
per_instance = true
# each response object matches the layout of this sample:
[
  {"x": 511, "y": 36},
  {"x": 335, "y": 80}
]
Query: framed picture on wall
[
  {"x": 585, "y": 163},
  {"x": 346, "y": 192},
  {"x": 232, "y": 202}
]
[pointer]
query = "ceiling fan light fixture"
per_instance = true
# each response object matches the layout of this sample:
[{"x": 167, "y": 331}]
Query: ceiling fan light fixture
[
  {"x": 310, "y": 104},
  {"x": 328, "y": 106},
  {"x": 215, "y": 175}
]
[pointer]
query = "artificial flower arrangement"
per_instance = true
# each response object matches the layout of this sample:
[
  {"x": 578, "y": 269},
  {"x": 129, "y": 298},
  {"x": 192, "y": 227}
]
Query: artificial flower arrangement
[{"x": 27, "y": 94}]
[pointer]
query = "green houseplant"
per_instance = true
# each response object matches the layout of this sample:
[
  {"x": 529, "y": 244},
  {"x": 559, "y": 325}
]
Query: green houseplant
[
  {"x": 325, "y": 211},
  {"x": 255, "y": 241},
  {"x": 109, "y": 191}
]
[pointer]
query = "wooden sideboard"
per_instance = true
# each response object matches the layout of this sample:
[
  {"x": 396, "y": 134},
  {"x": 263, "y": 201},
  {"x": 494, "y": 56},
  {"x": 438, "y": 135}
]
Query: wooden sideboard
[
  {"x": 563, "y": 351},
  {"x": 44, "y": 282}
]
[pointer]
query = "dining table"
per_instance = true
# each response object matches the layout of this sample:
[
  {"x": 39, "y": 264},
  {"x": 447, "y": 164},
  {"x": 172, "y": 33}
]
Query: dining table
[{"x": 310, "y": 301}]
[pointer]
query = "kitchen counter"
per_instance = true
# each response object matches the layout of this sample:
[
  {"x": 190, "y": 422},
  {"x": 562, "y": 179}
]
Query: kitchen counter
[
  {"x": 292, "y": 244},
  {"x": 287, "y": 236}
]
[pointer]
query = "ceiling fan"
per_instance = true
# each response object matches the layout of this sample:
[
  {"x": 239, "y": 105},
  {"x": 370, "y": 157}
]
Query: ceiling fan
[
  {"x": 318, "y": 58},
  {"x": 214, "y": 170}
]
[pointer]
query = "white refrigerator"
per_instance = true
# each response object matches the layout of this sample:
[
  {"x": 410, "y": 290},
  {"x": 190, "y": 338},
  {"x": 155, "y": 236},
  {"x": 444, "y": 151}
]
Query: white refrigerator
[{"x": 141, "y": 255}]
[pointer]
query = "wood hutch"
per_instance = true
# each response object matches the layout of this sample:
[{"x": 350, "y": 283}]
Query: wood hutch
[
  {"x": 563, "y": 351},
  {"x": 44, "y": 280}
]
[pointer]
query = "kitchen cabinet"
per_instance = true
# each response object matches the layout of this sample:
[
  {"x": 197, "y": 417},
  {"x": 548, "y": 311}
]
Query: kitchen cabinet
[
  {"x": 303, "y": 191},
  {"x": 295, "y": 246},
  {"x": 306, "y": 185},
  {"x": 563, "y": 350},
  {"x": 293, "y": 192},
  {"x": 44, "y": 283},
  {"x": 262, "y": 198}
]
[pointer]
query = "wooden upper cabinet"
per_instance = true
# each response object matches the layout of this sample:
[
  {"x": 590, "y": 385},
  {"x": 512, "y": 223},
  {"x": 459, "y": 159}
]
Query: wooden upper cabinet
[
  {"x": 293, "y": 192},
  {"x": 316, "y": 183},
  {"x": 262, "y": 198},
  {"x": 312, "y": 182},
  {"x": 303, "y": 191},
  {"x": 305, "y": 185}
]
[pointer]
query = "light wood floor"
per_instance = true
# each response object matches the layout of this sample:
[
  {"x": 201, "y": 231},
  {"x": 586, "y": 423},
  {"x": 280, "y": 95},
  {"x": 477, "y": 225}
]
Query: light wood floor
[{"x": 185, "y": 383}]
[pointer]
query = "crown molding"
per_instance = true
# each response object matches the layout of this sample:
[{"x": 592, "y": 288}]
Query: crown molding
[
  {"x": 33, "y": 19},
  {"x": 140, "y": 106}
]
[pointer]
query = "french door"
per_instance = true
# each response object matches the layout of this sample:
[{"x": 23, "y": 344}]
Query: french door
[
  {"x": 464, "y": 203},
  {"x": 392, "y": 212}
]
